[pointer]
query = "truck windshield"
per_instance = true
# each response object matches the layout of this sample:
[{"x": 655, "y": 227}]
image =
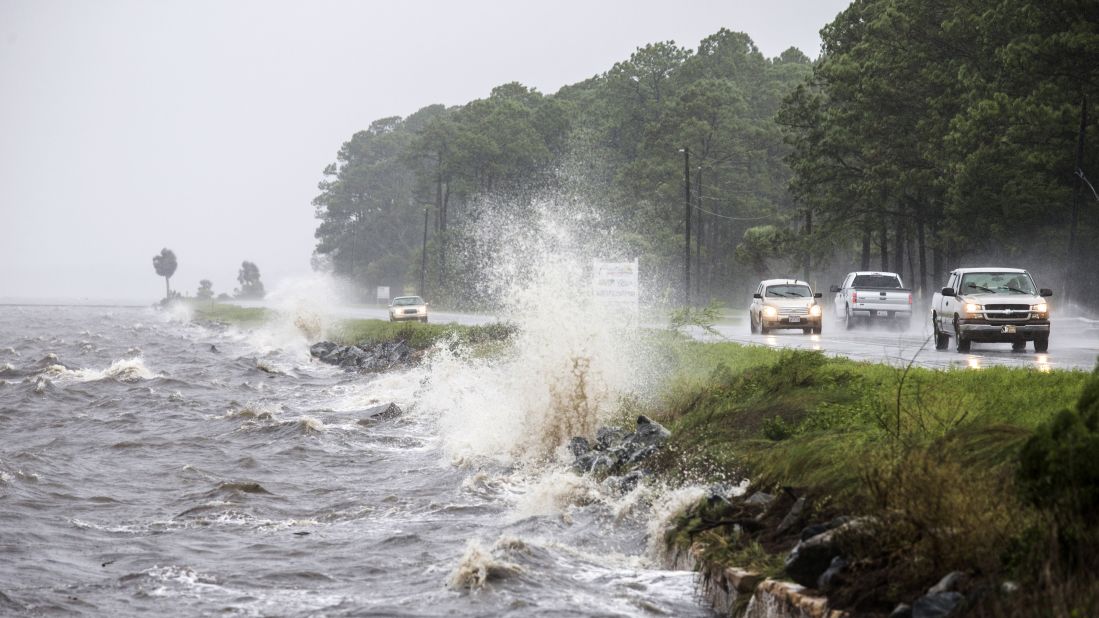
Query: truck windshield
[
  {"x": 404, "y": 301},
  {"x": 997, "y": 283},
  {"x": 788, "y": 291},
  {"x": 876, "y": 281}
]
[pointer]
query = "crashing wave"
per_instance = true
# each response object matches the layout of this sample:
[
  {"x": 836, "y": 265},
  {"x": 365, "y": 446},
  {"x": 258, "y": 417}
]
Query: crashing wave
[{"x": 478, "y": 566}]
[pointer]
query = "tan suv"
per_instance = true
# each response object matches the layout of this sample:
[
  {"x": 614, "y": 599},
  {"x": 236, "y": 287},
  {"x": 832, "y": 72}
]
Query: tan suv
[
  {"x": 407, "y": 308},
  {"x": 785, "y": 303}
]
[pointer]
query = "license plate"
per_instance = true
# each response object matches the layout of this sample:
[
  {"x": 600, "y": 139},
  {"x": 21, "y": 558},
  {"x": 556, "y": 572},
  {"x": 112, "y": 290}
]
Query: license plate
[
  {"x": 794, "y": 319},
  {"x": 879, "y": 313},
  {"x": 1008, "y": 330}
]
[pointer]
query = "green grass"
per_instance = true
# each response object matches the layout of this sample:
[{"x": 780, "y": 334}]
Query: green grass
[
  {"x": 934, "y": 453},
  {"x": 417, "y": 335},
  {"x": 803, "y": 419},
  {"x": 232, "y": 314},
  {"x": 363, "y": 332}
]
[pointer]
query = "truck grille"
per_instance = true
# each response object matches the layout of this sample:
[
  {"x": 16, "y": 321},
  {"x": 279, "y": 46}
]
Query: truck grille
[
  {"x": 1008, "y": 313},
  {"x": 793, "y": 311}
]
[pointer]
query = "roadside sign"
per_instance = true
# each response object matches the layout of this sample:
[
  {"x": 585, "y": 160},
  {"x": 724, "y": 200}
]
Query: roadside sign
[
  {"x": 616, "y": 284},
  {"x": 383, "y": 293}
]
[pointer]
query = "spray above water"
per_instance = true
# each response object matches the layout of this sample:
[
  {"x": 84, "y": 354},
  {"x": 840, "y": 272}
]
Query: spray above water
[
  {"x": 572, "y": 358},
  {"x": 301, "y": 314}
]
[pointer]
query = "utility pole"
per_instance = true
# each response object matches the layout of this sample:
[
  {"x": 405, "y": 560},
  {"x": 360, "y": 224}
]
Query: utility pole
[
  {"x": 687, "y": 255},
  {"x": 423, "y": 259},
  {"x": 700, "y": 235},
  {"x": 1077, "y": 197}
]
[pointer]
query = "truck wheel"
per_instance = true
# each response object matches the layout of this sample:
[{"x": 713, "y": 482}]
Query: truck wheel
[
  {"x": 960, "y": 343},
  {"x": 942, "y": 340},
  {"x": 1041, "y": 345},
  {"x": 806, "y": 331},
  {"x": 752, "y": 324},
  {"x": 848, "y": 319},
  {"x": 818, "y": 329}
]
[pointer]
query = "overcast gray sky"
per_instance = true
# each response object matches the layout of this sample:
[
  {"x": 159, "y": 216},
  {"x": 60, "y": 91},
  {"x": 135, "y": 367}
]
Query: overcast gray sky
[{"x": 203, "y": 126}]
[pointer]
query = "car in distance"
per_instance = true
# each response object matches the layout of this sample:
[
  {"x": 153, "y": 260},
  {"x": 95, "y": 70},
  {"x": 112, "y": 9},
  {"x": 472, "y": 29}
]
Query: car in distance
[
  {"x": 869, "y": 294},
  {"x": 404, "y": 308},
  {"x": 991, "y": 305},
  {"x": 785, "y": 303}
]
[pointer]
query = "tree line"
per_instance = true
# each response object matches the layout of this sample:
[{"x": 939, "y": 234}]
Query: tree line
[
  {"x": 941, "y": 133},
  {"x": 165, "y": 264},
  {"x": 929, "y": 134}
]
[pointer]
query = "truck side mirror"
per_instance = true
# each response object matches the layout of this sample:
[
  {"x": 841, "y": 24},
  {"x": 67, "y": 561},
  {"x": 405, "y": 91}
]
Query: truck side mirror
[
  {"x": 834, "y": 289},
  {"x": 1045, "y": 292},
  {"x": 818, "y": 295},
  {"x": 757, "y": 295},
  {"x": 948, "y": 292}
]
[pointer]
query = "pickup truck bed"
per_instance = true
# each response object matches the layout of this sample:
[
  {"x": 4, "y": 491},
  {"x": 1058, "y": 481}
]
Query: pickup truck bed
[{"x": 854, "y": 302}]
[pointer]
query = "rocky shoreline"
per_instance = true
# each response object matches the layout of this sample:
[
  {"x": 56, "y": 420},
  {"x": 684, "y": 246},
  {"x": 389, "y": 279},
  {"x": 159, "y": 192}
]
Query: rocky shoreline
[
  {"x": 817, "y": 550},
  {"x": 366, "y": 358}
]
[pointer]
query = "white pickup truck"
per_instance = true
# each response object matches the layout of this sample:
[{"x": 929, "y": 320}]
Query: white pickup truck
[
  {"x": 992, "y": 305},
  {"x": 868, "y": 294}
]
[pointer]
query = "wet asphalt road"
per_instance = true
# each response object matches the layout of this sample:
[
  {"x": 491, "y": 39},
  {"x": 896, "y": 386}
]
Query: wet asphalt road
[{"x": 1074, "y": 342}]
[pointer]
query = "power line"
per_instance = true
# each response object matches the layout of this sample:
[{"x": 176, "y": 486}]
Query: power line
[{"x": 728, "y": 217}]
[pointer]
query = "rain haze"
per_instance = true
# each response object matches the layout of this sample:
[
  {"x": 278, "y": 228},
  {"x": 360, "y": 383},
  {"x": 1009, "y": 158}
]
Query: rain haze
[{"x": 204, "y": 126}]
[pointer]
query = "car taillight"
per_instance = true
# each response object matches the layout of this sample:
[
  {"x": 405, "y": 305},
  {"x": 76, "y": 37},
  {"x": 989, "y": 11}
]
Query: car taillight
[
  {"x": 854, "y": 297},
  {"x": 909, "y": 299}
]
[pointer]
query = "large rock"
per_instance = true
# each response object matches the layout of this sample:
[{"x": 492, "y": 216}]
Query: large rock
[
  {"x": 811, "y": 531},
  {"x": 793, "y": 517},
  {"x": 812, "y": 557},
  {"x": 609, "y": 437},
  {"x": 380, "y": 412},
  {"x": 951, "y": 582},
  {"x": 761, "y": 500},
  {"x": 618, "y": 452},
  {"x": 938, "y": 605},
  {"x": 902, "y": 610},
  {"x": 321, "y": 349},
  {"x": 579, "y": 447},
  {"x": 833, "y": 575},
  {"x": 649, "y": 432},
  {"x": 370, "y": 358}
]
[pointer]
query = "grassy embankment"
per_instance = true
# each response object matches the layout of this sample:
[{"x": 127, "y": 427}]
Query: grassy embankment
[
  {"x": 934, "y": 456},
  {"x": 363, "y": 332}
]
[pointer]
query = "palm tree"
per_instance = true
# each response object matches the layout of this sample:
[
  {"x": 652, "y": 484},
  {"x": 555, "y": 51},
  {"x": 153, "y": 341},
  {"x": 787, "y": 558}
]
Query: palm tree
[{"x": 165, "y": 265}]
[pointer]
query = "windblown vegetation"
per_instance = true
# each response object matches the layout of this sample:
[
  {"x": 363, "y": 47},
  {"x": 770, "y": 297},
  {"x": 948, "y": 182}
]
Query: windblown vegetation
[{"x": 989, "y": 472}]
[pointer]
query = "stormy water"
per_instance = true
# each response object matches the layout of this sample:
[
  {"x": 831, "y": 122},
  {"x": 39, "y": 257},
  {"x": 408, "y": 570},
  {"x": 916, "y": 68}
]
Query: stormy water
[{"x": 150, "y": 464}]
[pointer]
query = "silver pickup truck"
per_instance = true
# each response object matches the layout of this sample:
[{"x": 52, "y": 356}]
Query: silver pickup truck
[
  {"x": 991, "y": 305},
  {"x": 872, "y": 295}
]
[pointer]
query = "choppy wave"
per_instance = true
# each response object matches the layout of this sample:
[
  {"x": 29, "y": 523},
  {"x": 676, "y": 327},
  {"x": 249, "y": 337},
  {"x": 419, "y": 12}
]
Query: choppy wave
[
  {"x": 478, "y": 566},
  {"x": 122, "y": 370}
]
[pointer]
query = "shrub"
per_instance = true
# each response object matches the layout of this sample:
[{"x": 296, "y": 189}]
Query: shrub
[{"x": 1059, "y": 464}]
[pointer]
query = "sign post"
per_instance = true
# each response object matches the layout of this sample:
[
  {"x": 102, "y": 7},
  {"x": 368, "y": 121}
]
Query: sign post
[{"x": 615, "y": 284}]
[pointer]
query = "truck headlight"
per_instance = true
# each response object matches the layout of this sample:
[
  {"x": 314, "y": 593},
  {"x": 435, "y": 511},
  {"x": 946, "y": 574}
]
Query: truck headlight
[
  {"x": 814, "y": 310},
  {"x": 972, "y": 308},
  {"x": 770, "y": 311},
  {"x": 1040, "y": 308}
]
